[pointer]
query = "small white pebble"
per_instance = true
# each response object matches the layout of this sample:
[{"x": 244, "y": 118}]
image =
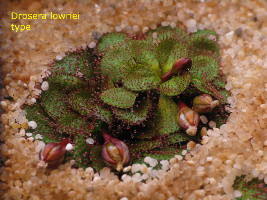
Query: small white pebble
[
  {"x": 173, "y": 161},
  {"x": 136, "y": 168},
  {"x": 45, "y": 86},
  {"x": 260, "y": 153},
  {"x": 205, "y": 140},
  {"x": 69, "y": 147},
  {"x": 144, "y": 176},
  {"x": 137, "y": 177},
  {"x": 90, "y": 141},
  {"x": 127, "y": 169},
  {"x": 165, "y": 23},
  {"x": 237, "y": 193},
  {"x": 155, "y": 35},
  {"x": 212, "y": 37},
  {"x": 3, "y": 104},
  {"x": 203, "y": 131},
  {"x": 184, "y": 152},
  {"x": 191, "y": 162},
  {"x": 173, "y": 24},
  {"x": 212, "y": 124},
  {"x": 33, "y": 100},
  {"x": 118, "y": 29},
  {"x": 38, "y": 136},
  {"x": 265, "y": 143},
  {"x": 145, "y": 29},
  {"x": 92, "y": 45},
  {"x": 59, "y": 57},
  {"x": 209, "y": 159},
  {"x": 126, "y": 177},
  {"x": 179, "y": 157},
  {"x": 147, "y": 160},
  {"x": 212, "y": 181},
  {"x": 97, "y": 178},
  {"x": 204, "y": 119},
  {"x": 124, "y": 198},
  {"x": 153, "y": 162},
  {"x": 164, "y": 162},
  {"x": 228, "y": 162},
  {"x": 29, "y": 134},
  {"x": 32, "y": 125}
]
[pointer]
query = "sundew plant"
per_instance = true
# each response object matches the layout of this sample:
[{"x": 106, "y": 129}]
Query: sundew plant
[{"x": 131, "y": 97}]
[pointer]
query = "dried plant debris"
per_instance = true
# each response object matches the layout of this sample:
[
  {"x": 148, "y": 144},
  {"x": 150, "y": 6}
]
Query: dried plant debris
[{"x": 131, "y": 97}]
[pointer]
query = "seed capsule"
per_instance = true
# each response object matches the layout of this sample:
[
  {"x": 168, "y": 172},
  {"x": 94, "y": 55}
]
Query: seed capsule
[
  {"x": 53, "y": 153},
  {"x": 181, "y": 65},
  {"x": 204, "y": 103},
  {"x": 115, "y": 153},
  {"x": 187, "y": 119}
]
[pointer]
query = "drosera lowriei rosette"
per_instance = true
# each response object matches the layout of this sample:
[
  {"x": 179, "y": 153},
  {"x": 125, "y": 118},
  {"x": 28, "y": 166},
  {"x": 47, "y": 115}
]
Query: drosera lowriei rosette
[{"x": 137, "y": 87}]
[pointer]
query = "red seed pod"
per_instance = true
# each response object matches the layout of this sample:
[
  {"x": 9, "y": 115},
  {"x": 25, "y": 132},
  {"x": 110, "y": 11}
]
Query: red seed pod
[
  {"x": 53, "y": 153},
  {"x": 187, "y": 119},
  {"x": 204, "y": 103},
  {"x": 115, "y": 153},
  {"x": 181, "y": 65}
]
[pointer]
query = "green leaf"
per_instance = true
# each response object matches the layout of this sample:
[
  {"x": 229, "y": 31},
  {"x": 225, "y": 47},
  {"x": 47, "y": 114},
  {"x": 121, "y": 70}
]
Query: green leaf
[
  {"x": 252, "y": 190},
  {"x": 74, "y": 124},
  {"x": 178, "y": 51},
  {"x": 207, "y": 34},
  {"x": 117, "y": 63},
  {"x": 144, "y": 145},
  {"x": 66, "y": 81},
  {"x": 204, "y": 67},
  {"x": 141, "y": 78},
  {"x": 202, "y": 43},
  {"x": 207, "y": 87},
  {"x": 111, "y": 41},
  {"x": 166, "y": 116},
  {"x": 102, "y": 113},
  {"x": 165, "y": 153},
  {"x": 44, "y": 124},
  {"x": 219, "y": 82},
  {"x": 134, "y": 115},
  {"x": 177, "y": 138},
  {"x": 119, "y": 97},
  {"x": 79, "y": 64},
  {"x": 54, "y": 102},
  {"x": 163, "y": 52},
  {"x": 166, "y": 32},
  {"x": 144, "y": 53},
  {"x": 82, "y": 102},
  {"x": 81, "y": 151},
  {"x": 176, "y": 85},
  {"x": 96, "y": 157}
]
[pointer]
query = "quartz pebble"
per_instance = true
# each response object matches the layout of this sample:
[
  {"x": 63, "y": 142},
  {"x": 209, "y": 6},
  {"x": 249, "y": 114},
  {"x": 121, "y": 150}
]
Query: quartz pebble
[
  {"x": 92, "y": 45},
  {"x": 203, "y": 119},
  {"x": 237, "y": 193},
  {"x": 45, "y": 86},
  {"x": 90, "y": 141},
  {"x": 212, "y": 124},
  {"x": 32, "y": 124},
  {"x": 69, "y": 147},
  {"x": 127, "y": 169}
]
